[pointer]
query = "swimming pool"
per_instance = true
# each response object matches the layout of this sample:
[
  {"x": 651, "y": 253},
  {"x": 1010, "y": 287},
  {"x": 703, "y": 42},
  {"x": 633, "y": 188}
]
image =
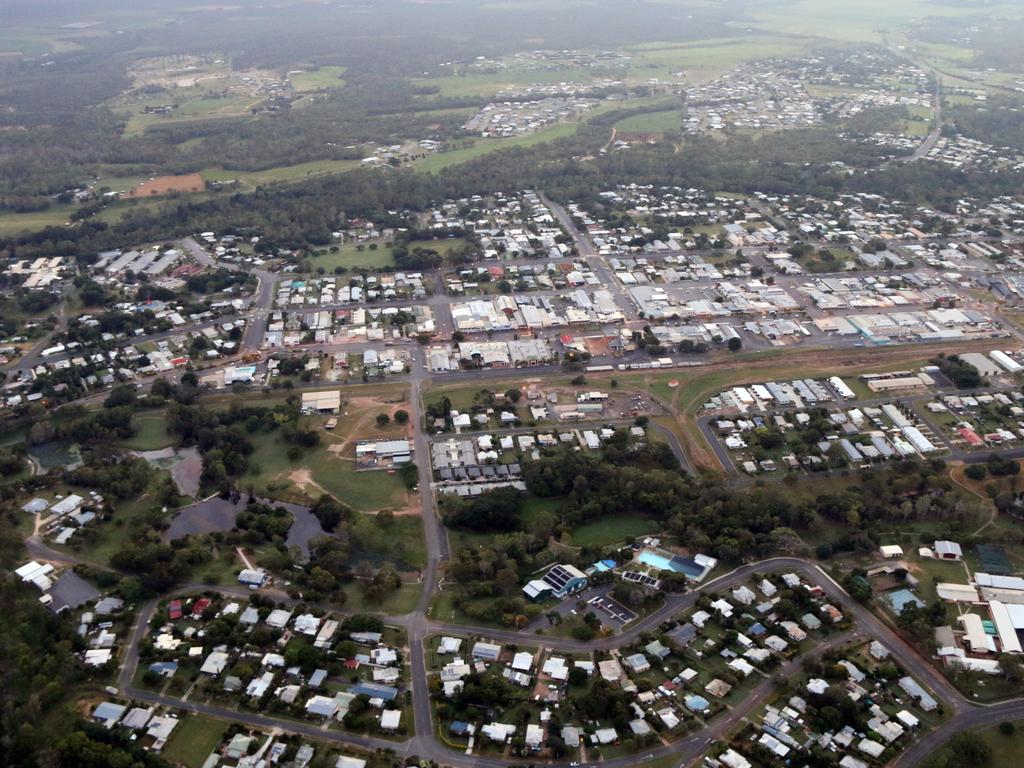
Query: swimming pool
[{"x": 683, "y": 565}]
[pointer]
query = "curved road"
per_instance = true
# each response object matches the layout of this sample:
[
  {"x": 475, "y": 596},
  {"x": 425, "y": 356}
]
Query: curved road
[{"x": 419, "y": 627}]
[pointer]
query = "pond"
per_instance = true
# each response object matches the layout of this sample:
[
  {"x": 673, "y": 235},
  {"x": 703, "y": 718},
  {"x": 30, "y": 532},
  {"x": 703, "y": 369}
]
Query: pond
[
  {"x": 56, "y": 454},
  {"x": 217, "y": 514}
]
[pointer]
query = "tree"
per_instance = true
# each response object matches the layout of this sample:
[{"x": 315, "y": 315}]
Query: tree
[
  {"x": 507, "y": 581},
  {"x": 513, "y": 395},
  {"x": 976, "y": 471},
  {"x": 383, "y": 419},
  {"x": 1011, "y": 666},
  {"x": 401, "y": 417},
  {"x": 120, "y": 396},
  {"x": 969, "y": 750},
  {"x": 409, "y": 475},
  {"x": 735, "y": 344}
]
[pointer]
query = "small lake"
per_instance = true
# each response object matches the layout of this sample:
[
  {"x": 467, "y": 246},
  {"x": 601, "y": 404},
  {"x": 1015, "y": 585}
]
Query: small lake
[
  {"x": 56, "y": 454},
  {"x": 217, "y": 514}
]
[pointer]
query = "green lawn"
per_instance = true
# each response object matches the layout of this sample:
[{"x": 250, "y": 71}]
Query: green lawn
[
  {"x": 351, "y": 257},
  {"x": 317, "y": 80},
  {"x": 485, "y": 84},
  {"x": 193, "y": 740},
  {"x": 651, "y": 122},
  {"x": 54, "y": 216},
  {"x": 612, "y": 530},
  {"x": 438, "y": 160},
  {"x": 152, "y": 434},
  {"x": 283, "y": 173},
  {"x": 401, "y": 601},
  {"x": 366, "y": 491}
]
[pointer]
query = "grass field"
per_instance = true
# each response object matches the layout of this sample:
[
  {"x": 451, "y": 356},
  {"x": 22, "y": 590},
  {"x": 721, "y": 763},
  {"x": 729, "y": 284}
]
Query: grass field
[
  {"x": 651, "y": 122},
  {"x": 849, "y": 20},
  {"x": 323, "y": 470},
  {"x": 55, "y": 216},
  {"x": 706, "y": 59},
  {"x": 350, "y": 257},
  {"x": 191, "y": 108},
  {"x": 402, "y": 600},
  {"x": 284, "y": 173},
  {"x": 486, "y": 84},
  {"x": 317, "y": 80},
  {"x": 193, "y": 740},
  {"x": 1007, "y": 749},
  {"x": 152, "y": 434},
  {"x": 438, "y": 160},
  {"x": 363, "y": 491},
  {"x": 612, "y": 530}
]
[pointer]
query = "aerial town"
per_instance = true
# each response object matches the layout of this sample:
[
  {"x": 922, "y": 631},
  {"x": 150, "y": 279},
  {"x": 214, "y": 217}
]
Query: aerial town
[{"x": 571, "y": 393}]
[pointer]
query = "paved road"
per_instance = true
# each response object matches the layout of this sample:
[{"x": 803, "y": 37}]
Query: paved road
[
  {"x": 419, "y": 625},
  {"x": 687, "y": 750},
  {"x": 933, "y": 135}
]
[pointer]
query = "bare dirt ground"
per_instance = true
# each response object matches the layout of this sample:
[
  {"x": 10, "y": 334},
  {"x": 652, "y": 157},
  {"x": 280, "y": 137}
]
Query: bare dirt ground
[
  {"x": 303, "y": 478},
  {"x": 163, "y": 185}
]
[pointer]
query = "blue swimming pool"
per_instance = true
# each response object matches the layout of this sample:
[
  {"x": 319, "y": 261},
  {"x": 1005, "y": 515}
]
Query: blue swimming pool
[{"x": 683, "y": 565}]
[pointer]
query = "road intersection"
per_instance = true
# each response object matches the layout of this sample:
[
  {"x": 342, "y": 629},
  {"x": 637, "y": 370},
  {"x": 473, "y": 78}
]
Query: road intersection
[{"x": 419, "y": 625}]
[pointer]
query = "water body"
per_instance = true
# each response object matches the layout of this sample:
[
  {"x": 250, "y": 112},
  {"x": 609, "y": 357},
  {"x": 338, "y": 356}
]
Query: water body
[
  {"x": 56, "y": 454},
  {"x": 217, "y": 514}
]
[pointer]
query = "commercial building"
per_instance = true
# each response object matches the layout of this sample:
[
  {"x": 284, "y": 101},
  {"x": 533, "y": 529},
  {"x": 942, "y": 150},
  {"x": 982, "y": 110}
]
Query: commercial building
[{"x": 328, "y": 401}]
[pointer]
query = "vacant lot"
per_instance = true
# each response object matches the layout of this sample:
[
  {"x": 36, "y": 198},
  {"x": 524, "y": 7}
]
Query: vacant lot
[
  {"x": 651, "y": 122},
  {"x": 193, "y": 741},
  {"x": 612, "y": 530},
  {"x": 438, "y": 160},
  {"x": 283, "y": 173},
  {"x": 352, "y": 256},
  {"x": 376, "y": 255},
  {"x": 165, "y": 185}
]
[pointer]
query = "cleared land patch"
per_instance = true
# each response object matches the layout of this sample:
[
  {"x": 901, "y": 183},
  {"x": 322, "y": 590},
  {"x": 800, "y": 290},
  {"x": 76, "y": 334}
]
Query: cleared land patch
[{"x": 165, "y": 185}]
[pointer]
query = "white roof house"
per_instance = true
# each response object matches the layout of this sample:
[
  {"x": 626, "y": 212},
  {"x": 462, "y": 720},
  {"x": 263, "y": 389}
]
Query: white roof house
[
  {"x": 522, "y": 661},
  {"x": 215, "y": 663}
]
